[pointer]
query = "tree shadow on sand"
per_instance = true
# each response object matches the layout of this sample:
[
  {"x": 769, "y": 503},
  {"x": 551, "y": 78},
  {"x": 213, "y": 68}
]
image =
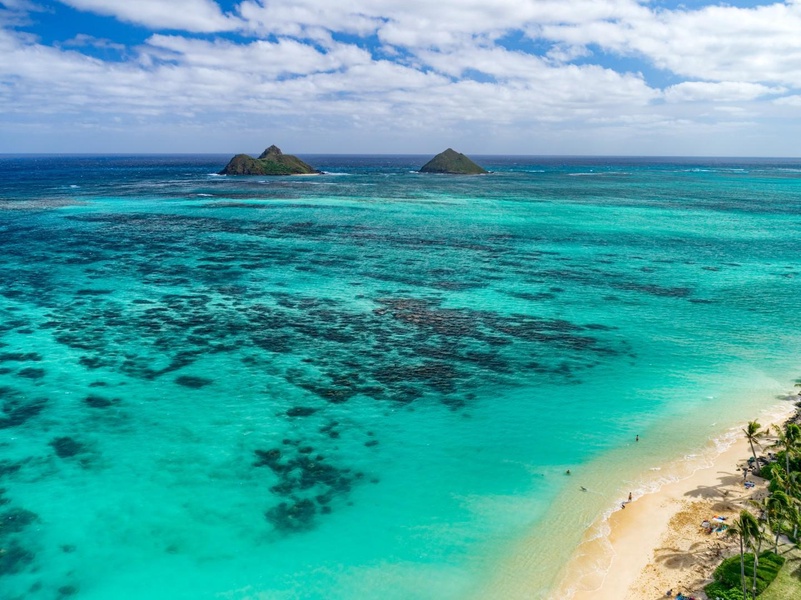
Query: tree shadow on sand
[
  {"x": 674, "y": 558},
  {"x": 693, "y": 566},
  {"x": 727, "y": 490}
]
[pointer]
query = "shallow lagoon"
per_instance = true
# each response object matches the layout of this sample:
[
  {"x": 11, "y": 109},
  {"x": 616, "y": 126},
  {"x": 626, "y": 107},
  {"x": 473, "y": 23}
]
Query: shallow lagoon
[{"x": 367, "y": 383}]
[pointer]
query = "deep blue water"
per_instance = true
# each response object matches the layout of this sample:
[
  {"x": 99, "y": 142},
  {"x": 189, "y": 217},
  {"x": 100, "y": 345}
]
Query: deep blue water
[{"x": 367, "y": 383}]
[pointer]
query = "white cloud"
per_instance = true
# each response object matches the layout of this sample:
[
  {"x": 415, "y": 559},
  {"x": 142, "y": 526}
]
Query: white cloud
[
  {"x": 725, "y": 91},
  {"x": 83, "y": 40},
  {"x": 18, "y": 5},
  {"x": 422, "y": 23},
  {"x": 184, "y": 15},
  {"x": 794, "y": 100},
  {"x": 266, "y": 59},
  {"x": 14, "y": 13},
  {"x": 415, "y": 67},
  {"x": 204, "y": 76},
  {"x": 716, "y": 43}
]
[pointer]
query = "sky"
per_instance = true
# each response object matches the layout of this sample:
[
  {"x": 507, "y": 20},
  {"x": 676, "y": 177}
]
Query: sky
[{"x": 533, "y": 77}]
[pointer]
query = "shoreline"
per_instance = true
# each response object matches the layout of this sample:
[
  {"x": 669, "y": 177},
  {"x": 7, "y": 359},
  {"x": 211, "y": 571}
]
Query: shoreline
[{"x": 655, "y": 542}]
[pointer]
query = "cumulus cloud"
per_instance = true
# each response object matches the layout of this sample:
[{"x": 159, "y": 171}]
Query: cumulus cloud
[
  {"x": 15, "y": 12},
  {"x": 716, "y": 43},
  {"x": 268, "y": 59},
  {"x": 422, "y": 23},
  {"x": 184, "y": 15},
  {"x": 83, "y": 40},
  {"x": 794, "y": 100},
  {"x": 724, "y": 91}
]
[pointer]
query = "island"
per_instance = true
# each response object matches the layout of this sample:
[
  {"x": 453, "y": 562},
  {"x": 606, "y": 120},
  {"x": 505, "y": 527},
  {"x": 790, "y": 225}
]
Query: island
[
  {"x": 271, "y": 162},
  {"x": 452, "y": 162}
]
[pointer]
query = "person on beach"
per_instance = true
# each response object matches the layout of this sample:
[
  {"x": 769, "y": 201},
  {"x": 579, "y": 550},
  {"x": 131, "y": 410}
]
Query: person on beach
[{"x": 629, "y": 496}]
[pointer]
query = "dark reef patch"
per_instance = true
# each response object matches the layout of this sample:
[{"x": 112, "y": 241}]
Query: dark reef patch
[
  {"x": 16, "y": 520},
  {"x": 31, "y": 373},
  {"x": 8, "y": 467},
  {"x": 268, "y": 458},
  {"x": 94, "y": 362},
  {"x": 20, "y": 356},
  {"x": 301, "y": 411},
  {"x": 17, "y": 408},
  {"x": 193, "y": 382},
  {"x": 538, "y": 297},
  {"x": 656, "y": 290},
  {"x": 67, "y": 591},
  {"x": 95, "y": 401},
  {"x": 292, "y": 516},
  {"x": 14, "y": 558},
  {"x": 66, "y": 447},
  {"x": 302, "y": 480}
]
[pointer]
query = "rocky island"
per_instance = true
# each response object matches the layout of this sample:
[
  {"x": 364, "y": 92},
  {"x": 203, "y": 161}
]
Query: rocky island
[
  {"x": 271, "y": 162},
  {"x": 452, "y": 162}
]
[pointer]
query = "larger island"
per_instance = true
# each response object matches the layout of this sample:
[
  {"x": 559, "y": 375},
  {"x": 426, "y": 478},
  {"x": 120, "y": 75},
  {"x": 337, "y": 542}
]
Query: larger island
[
  {"x": 271, "y": 162},
  {"x": 452, "y": 162}
]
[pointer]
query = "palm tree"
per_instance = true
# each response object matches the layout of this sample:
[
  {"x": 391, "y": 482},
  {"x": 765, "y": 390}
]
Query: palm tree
[
  {"x": 746, "y": 528},
  {"x": 778, "y": 508},
  {"x": 757, "y": 537},
  {"x": 793, "y": 432},
  {"x": 752, "y": 433},
  {"x": 793, "y": 487},
  {"x": 789, "y": 439},
  {"x": 794, "y": 516}
]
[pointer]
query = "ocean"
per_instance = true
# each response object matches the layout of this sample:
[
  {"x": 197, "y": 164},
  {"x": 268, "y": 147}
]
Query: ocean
[{"x": 369, "y": 383}]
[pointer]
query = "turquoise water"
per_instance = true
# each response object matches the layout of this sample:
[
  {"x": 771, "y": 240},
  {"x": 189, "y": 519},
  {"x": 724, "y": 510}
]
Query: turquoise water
[{"x": 367, "y": 383}]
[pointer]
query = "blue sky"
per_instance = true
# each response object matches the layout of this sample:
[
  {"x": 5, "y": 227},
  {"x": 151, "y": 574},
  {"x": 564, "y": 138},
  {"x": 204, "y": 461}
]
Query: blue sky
[{"x": 402, "y": 76}]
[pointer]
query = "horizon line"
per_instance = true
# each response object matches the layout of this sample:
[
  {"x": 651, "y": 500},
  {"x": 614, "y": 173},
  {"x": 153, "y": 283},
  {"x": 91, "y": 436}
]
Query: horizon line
[{"x": 410, "y": 154}]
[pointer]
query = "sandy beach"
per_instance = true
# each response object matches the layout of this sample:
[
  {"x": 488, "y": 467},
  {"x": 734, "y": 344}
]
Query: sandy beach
[{"x": 656, "y": 542}]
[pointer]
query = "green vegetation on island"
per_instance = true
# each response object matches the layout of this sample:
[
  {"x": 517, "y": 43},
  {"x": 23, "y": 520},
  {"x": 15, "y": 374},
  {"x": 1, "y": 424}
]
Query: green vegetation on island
[
  {"x": 452, "y": 162},
  {"x": 271, "y": 162},
  {"x": 762, "y": 558}
]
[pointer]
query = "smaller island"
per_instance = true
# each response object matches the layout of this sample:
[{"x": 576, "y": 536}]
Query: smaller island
[
  {"x": 452, "y": 162},
  {"x": 271, "y": 162}
]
